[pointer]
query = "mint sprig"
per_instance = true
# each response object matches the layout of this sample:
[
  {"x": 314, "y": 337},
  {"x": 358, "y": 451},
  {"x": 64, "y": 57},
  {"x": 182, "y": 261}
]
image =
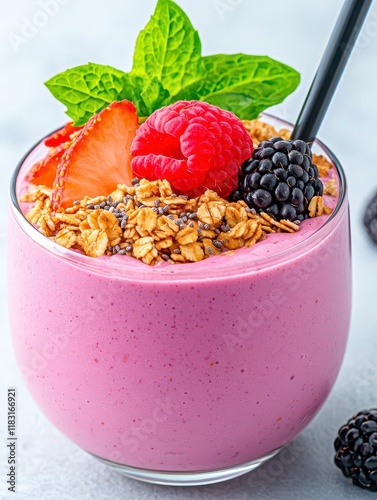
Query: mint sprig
[{"x": 167, "y": 67}]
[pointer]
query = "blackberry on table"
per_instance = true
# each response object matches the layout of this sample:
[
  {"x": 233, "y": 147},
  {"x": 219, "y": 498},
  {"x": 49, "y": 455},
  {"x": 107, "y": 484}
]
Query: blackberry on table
[
  {"x": 370, "y": 218},
  {"x": 356, "y": 449},
  {"x": 280, "y": 179}
]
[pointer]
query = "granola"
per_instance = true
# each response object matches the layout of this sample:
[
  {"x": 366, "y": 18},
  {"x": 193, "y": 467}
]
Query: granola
[
  {"x": 174, "y": 229},
  {"x": 317, "y": 207},
  {"x": 330, "y": 188},
  {"x": 261, "y": 131}
]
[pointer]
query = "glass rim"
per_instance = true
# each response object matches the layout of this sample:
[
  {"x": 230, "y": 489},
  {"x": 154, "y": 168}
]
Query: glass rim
[{"x": 129, "y": 268}]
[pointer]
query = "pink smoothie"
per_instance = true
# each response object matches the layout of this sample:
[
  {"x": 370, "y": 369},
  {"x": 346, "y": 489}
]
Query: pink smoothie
[{"x": 182, "y": 367}]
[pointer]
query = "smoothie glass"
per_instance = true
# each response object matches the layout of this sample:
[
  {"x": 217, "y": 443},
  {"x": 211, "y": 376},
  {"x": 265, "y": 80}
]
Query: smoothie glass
[{"x": 182, "y": 374}]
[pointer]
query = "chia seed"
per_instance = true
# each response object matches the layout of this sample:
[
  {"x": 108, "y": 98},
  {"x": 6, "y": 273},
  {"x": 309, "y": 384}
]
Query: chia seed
[
  {"x": 77, "y": 202},
  {"x": 179, "y": 222},
  {"x": 225, "y": 228},
  {"x": 96, "y": 207},
  {"x": 207, "y": 227},
  {"x": 165, "y": 256},
  {"x": 135, "y": 181},
  {"x": 193, "y": 216},
  {"x": 110, "y": 198},
  {"x": 160, "y": 211},
  {"x": 177, "y": 251},
  {"x": 166, "y": 209},
  {"x": 122, "y": 252},
  {"x": 210, "y": 250},
  {"x": 102, "y": 204},
  {"x": 191, "y": 224},
  {"x": 128, "y": 248},
  {"x": 217, "y": 244},
  {"x": 90, "y": 206}
]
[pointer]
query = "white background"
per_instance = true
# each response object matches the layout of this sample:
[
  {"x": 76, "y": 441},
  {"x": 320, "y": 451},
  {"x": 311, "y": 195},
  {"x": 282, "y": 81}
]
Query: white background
[{"x": 292, "y": 31}]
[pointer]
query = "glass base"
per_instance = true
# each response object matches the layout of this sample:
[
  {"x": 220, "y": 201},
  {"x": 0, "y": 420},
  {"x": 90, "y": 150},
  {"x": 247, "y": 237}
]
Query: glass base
[{"x": 195, "y": 478}]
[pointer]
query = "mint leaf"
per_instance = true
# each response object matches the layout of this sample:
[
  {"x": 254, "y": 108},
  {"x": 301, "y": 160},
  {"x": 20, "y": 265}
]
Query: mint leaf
[
  {"x": 246, "y": 85},
  {"x": 134, "y": 85},
  {"x": 88, "y": 89},
  {"x": 154, "y": 95},
  {"x": 147, "y": 95},
  {"x": 169, "y": 48}
]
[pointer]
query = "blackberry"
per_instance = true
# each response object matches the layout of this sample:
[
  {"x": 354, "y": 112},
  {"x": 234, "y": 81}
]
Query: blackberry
[
  {"x": 280, "y": 179},
  {"x": 356, "y": 449},
  {"x": 370, "y": 218}
]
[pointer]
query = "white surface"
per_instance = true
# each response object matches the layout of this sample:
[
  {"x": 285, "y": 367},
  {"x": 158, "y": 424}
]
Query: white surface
[{"x": 49, "y": 466}]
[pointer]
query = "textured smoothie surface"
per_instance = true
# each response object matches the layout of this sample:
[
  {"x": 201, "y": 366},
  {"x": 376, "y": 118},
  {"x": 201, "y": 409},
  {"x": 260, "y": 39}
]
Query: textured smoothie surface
[{"x": 189, "y": 366}]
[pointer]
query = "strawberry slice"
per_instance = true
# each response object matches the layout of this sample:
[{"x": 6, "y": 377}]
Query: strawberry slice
[
  {"x": 44, "y": 171},
  {"x": 99, "y": 157},
  {"x": 62, "y": 135}
]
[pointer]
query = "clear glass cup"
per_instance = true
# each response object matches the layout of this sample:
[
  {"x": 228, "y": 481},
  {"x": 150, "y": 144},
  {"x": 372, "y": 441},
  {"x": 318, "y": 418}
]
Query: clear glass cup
[{"x": 186, "y": 374}]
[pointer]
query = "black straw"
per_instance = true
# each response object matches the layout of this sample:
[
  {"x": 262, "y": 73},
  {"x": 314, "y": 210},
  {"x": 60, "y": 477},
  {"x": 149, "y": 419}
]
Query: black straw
[{"x": 331, "y": 68}]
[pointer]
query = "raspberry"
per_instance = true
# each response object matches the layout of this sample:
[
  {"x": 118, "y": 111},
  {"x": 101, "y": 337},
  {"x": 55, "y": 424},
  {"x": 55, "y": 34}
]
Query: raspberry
[{"x": 194, "y": 145}]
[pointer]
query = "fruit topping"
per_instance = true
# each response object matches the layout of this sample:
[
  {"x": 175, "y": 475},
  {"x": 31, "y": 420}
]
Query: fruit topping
[
  {"x": 194, "y": 145},
  {"x": 99, "y": 157},
  {"x": 61, "y": 136},
  {"x": 356, "y": 449},
  {"x": 44, "y": 171},
  {"x": 280, "y": 179}
]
